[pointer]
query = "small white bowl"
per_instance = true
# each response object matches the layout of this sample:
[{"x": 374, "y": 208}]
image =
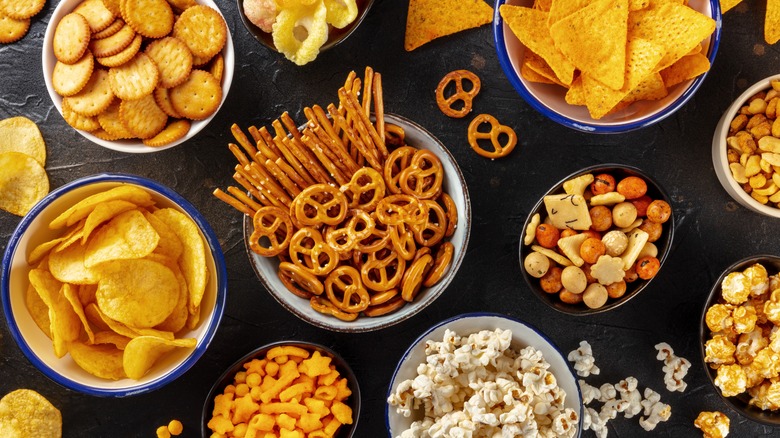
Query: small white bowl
[
  {"x": 454, "y": 184},
  {"x": 549, "y": 99},
  {"x": 135, "y": 145},
  {"x": 719, "y": 147},
  {"x": 34, "y": 230},
  {"x": 523, "y": 335}
]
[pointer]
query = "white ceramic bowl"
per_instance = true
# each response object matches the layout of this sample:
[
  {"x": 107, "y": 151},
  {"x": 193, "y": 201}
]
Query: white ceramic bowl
[
  {"x": 523, "y": 335},
  {"x": 130, "y": 146},
  {"x": 34, "y": 230},
  {"x": 720, "y": 161},
  {"x": 454, "y": 184},
  {"x": 549, "y": 99}
]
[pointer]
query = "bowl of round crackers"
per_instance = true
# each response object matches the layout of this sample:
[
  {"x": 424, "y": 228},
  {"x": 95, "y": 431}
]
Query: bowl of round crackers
[
  {"x": 113, "y": 285},
  {"x": 141, "y": 78},
  {"x": 607, "y": 67}
]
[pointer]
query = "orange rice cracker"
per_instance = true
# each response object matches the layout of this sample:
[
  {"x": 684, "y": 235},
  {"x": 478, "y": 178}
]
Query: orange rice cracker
[
  {"x": 71, "y": 38},
  {"x": 124, "y": 56},
  {"x": 96, "y": 13},
  {"x": 134, "y": 79},
  {"x": 173, "y": 132},
  {"x": 12, "y": 30},
  {"x": 173, "y": 59},
  {"x": 203, "y": 30},
  {"x": 113, "y": 6},
  {"x": 150, "y": 18},
  {"x": 113, "y": 44},
  {"x": 21, "y": 9},
  {"x": 111, "y": 123},
  {"x": 427, "y": 20},
  {"x": 198, "y": 97},
  {"x": 95, "y": 97},
  {"x": 78, "y": 121},
  {"x": 69, "y": 79},
  {"x": 162, "y": 97},
  {"x": 217, "y": 67},
  {"x": 113, "y": 28},
  {"x": 142, "y": 117}
]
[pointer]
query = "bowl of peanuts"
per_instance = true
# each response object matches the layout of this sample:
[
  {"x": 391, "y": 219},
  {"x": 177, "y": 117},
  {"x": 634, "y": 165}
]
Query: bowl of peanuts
[
  {"x": 746, "y": 148},
  {"x": 286, "y": 385},
  {"x": 739, "y": 337},
  {"x": 596, "y": 239},
  {"x": 140, "y": 79}
]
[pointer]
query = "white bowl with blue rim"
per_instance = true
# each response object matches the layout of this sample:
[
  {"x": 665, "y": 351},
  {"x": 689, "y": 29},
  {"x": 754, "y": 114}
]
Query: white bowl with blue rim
[
  {"x": 549, "y": 99},
  {"x": 523, "y": 335},
  {"x": 36, "y": 345}
]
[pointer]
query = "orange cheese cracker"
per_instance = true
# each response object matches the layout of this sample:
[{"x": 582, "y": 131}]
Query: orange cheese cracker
[{"x": 427, "y": 20}]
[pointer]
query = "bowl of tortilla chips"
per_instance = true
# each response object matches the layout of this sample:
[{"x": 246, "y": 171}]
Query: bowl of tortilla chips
[{"x": 606, "y": 66}]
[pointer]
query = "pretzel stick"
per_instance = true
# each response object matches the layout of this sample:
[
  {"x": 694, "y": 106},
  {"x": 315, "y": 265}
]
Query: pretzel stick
[
  {"x": 241, "y": 196},
  {"x": 358, "y": 125},
  {"x": 313, "y": 143},
  {"x": 314, "y": 168},
  {"x": 289, "y": 123},
  {"x": 242, "y": 139},
  {"x": 290, "y": 172},
  {"x": 352, "y": 103},
  {"x": 335, "y": 141},
  {"x": 290, "y": 158},
  {"x": 379, "y": 106},
  {"x": 368, "y": 84},
  {"x": 260, "y": 175},
  {"x": 246, "y": 174},
  {"x": 353, "y": 137},
  {"x": 240, "y": 156},
  {"x": 269, "y": 141},
  {"x": 249, "y": 187},
  {"x": 262, "y": 146},
  {"x": 347, "y": 164},
  {"x": 282, "y": 177},
  {"x": 348, "y": 117},
  {"x": 233, "y": 202}
]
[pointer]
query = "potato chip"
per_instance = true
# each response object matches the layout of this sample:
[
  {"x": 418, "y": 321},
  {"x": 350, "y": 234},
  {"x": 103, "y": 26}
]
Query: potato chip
[
  {"x": 87, "y": 294},
  {"x": 24, "y": 413},
  {"x": 95, "y": 314},
  {"x": 39, "y": 311},
  {"x": 178, "y": 317},
  {"x": 65, "y": 324},
  {"x": 127, "y": 236},
  {"x": 772, "y": 21},
  {"x": 71, "y": 294},
  {"x": 103, "y": 360},
  {"x": 594, "y": 39},
  {"x": 169, "y": 245},
  {"x": 688, "y": 67},
  {"x": 110, "y": 337},
  {"x": 103, "y": 212},
  {"x": 427, "y": 20},
  {"x": 137, "y": 292},
  {"x": 23, "y": 182},
  {"x": 142, "y": 352},
  {"x": 83, "y": 208},
  {"x": 20, "y": 134},
  {"x": 530, "y": 27},
  {"x": 193, "y": 259}
]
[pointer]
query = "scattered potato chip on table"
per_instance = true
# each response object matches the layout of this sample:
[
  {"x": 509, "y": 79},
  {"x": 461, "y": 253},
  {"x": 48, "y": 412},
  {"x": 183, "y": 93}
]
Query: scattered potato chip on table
[{"x": 25, "y": 413}]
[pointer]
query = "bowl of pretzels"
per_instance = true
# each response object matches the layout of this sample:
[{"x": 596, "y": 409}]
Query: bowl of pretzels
[{"x": 355, "y": 220}]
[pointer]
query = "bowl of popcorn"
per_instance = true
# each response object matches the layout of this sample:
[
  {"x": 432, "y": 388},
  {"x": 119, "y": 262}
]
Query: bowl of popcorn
[
  {"x": 140, "y": 78},
  {"x": 739, "y": 337},
  {"x": 113, "y": 285},
  {"x": 483, "y": 372},
  {"x": 300, "y": 30},
  {"x": 606, "y": 67},
  {"x": 286, "y": 388},
  {"x": 596, "y": 239},
  {"x": 746, "y": 148}
]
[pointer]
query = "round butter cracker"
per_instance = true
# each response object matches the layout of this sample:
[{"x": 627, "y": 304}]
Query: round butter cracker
[
  {"x": 162, "y": 97},
  {"x": 113, "y": 28},
  {"x": 69, "y": 79},
  {"x": 111, "y": 123},
  {"x": 198, "y": 97},
  {"x": 71, "y": 38},
  {"x": 134, "y": 79},
  {"x": 113, "y": 44},
  {"x": 95, "y": 97},
  {"x": 124, "y": 56},
  {"x": 21, "y": 9},
  {"x": 11, "y": 29},
  {"x": 113, "y": 6},
  {"x": 150, "y": 18},
  {"x": 142, "y": 117},
  {"x": 78, "y": 121},
  {"x": 96, "y": 13},
  {"x": 174, "y": 131},
  {"x": 203, "y": 30},
  {"x": 173, "y": 59}
]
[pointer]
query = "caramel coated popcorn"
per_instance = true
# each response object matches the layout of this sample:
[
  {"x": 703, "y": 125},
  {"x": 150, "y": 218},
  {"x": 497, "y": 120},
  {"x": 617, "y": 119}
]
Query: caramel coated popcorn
[{"x": 713, "y": 424}]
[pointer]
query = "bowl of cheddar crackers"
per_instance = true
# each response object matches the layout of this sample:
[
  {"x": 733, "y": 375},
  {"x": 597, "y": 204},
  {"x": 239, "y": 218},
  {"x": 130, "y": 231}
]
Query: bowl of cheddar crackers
[
  {"x": 140, "y": 78},
  {"x": 113, "y": 285},
  {"x": 606, "y": 66}
]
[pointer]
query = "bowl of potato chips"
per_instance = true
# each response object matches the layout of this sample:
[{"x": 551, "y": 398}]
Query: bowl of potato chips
[
  {"x": 285, "y": 385},
  {"x": 141, "y": 79},
  {"x": 607, "y": 67},
  {"x": 113, "y": 285}
]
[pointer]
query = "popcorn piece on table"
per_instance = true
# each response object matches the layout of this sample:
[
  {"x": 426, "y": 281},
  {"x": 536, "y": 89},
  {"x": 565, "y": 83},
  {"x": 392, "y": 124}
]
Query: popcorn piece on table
[
  {"x": 675, "y": 367},
  {"x": 629, "y": 393},
  {"x": 589, "y": 392},
  {"x": 713, "y": 424},
  {"x": 584, "y": 362},
  {"x": 654, "y": 410}
]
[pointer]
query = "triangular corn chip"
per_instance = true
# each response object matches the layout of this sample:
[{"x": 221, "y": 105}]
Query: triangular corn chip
[
  {"x": 688, "y": 67},
  {"x": 431, "y": 19},
  {"x": 772, "y": 21}
]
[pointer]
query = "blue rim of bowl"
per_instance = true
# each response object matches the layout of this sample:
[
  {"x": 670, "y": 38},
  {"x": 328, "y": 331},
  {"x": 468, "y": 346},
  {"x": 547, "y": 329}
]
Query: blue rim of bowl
[
  {"x": 221, "y": 293},
  {"x": 342, "y": 365},
  {"x": 517, "y": 83},
  {"x": 420, "y": 338},
  {"x": 667, "y": 235}
]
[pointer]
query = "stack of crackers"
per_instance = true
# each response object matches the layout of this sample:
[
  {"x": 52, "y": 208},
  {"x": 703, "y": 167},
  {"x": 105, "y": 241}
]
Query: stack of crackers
[
  {"x": 139, "y": 69},
  {"x": 15, "y": 18}
]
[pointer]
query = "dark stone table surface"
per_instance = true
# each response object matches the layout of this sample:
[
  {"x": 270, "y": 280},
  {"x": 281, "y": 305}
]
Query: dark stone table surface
[{"x": 713, "y": 231}]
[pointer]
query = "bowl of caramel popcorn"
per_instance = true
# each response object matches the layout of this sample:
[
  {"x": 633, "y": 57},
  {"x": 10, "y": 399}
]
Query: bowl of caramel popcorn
[
  {"x": 740, "y": 340},
  {"x": 746, "y": 148}
]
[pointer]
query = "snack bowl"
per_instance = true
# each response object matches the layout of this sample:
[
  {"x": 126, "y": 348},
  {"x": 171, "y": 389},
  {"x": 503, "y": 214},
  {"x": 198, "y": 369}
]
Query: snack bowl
[
  {"x": 663, "y": 243},
  {"x": 739, "y": 403},
  {"x": 548, "y": 99},
  {"x": 523, "y": 335},
  {"x": 335, "y": 36},
  {"x": 34, "y": 230},
  {"x": 454, "y": 184},
  {"x": 134, "y": 145},
  {"x": 341, "y": 365},
  {"x": 719, "y": 151}
]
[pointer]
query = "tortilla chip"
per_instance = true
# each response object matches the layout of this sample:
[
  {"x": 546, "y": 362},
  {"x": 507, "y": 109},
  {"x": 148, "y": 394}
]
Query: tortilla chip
[
  {"x": 772, "y": 21},
  {"x": 560, "y": 9},
  {"x": 725, "y": 5},
  {"x": 651, "y": 88},
  {"x": 594, "y": 40},
  {"x": 576, "y": 93},
  {"x": 635, "y": 5},
  {"x": 535, "y": 66},
  {"x": 530, "y": 27},
  {"x": 543, "y": 5},
  {"x": 688, "y": 67},
  {"x": 677, "y": 28},
  {"x": 431, "y": 19}
]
